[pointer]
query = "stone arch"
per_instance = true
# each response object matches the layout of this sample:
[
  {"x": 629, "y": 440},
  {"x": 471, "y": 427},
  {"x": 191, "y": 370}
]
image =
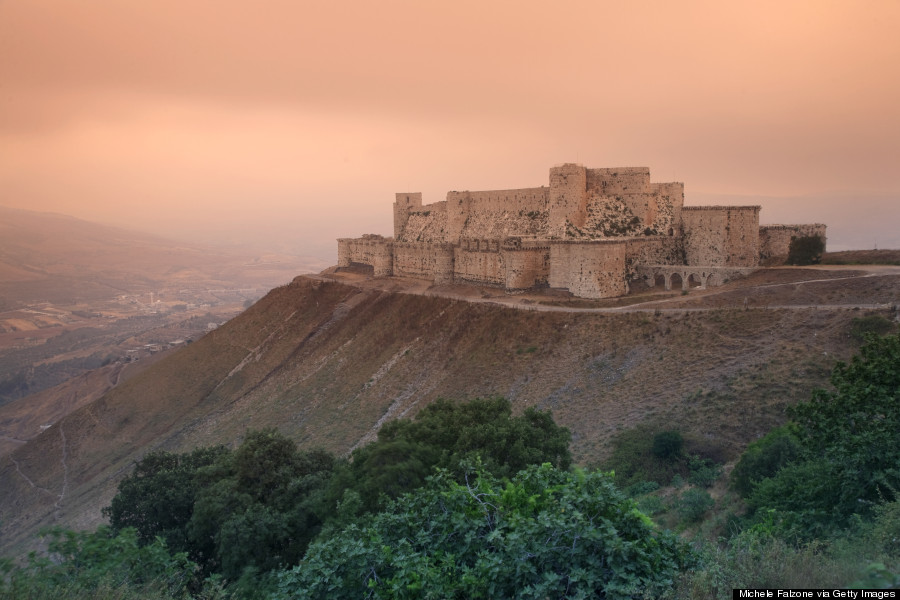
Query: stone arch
[
  {"x": 660, "y": 279},
  {"x": 676, "y": 279},
  {"x": 695, "y": 280}
]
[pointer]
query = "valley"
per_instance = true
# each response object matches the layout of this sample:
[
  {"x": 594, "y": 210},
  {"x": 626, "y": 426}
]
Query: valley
[{"x": 77, "y": 296}]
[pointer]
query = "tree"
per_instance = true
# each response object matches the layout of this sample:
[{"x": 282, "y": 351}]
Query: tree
[
  {"x": 255, "y": 507},
  {"x": 668, "y": 444},
  {"x": 157, "y": 498},
  {"x": 546, "y": 533},
  {"x": 763, "y": 458},
  {"x": 448, "y": 435},
  {"x": 806, "y": 250},
  {"x": 857, "y": 425},
  {"x": 257, "y": 510},
  {"x": 850, "y": 439}
]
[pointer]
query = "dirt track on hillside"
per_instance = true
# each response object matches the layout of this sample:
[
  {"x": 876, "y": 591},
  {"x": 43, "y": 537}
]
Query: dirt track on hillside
[{"x": 821, "y": 287}]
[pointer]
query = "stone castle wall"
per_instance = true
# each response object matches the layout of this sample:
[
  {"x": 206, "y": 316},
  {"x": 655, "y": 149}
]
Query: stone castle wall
[
  {"x": 568, "y": 199},
  {"x": 721, "y": 236},
  {"x": 775, "y": 240},
  {"x": 590, "y": 231},
  {"x": 424, "y": 261},
  {"x": 497, "y": 214},
  {"x": 403, "y": 204},
  {"x": 373, "y": 250},
  {"x": 525, "y": 266},
  {"x": 589, "y": 269},
  {"x": 657, "y": 250},
  {"x": 426, "y": 224}
]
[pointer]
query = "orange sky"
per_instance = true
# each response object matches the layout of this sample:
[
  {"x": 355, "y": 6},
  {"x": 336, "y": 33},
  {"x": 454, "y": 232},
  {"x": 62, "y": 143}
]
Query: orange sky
[{"x": 291, "y": 123}]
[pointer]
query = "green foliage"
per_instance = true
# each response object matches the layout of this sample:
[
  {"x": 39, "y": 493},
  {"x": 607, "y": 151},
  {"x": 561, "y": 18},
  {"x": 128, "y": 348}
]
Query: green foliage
[
  {"x": 763, "y": 458},
  {"x": 99, "y": 564},
  {"x": 643, "y": 454},
  {"x": 857, "y": 426},
  {"x": 806, "y": 250},
  {"x": 667, "y": 444},
  {"x": 877, "y": 324},
  {"x": 755, "y": 559},
  {"x": 157, "y": 498},
  {"x": 545, "y": 533},
  {"x": 447, "y": 435},
  {"x": 633, "y": 459},
  {"x": 258, "y": 507},
  {"x": 242, "y": 514},
  {"x": 877, "y": 576},
  {"x": 640, "y": 488},
  {"x": 254, "y": 508},
  {"x": 651, "y": 504},
  {"x": 850, "y": 440},
  {"x": 704, "y": 472},
  {"x": 694, "y": 503}
]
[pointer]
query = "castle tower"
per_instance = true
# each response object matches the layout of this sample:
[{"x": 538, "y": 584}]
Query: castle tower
[
  {"x": 403, "y": 203},
  {"x": 568, "y": 198}
]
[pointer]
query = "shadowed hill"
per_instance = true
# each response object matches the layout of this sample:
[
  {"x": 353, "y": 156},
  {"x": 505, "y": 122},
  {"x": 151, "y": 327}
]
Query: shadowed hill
[{"x": 326, "y": 363}]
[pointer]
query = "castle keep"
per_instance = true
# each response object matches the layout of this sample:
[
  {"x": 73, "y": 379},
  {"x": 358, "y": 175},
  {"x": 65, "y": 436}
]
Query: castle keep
[{"x": 593, "y": 232}]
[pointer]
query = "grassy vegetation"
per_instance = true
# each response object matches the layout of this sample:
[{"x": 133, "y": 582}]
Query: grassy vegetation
[{"x": 862, "y": 257}]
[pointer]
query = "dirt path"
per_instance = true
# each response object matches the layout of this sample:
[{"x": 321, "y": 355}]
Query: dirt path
[{"x": 526, "y": 301}]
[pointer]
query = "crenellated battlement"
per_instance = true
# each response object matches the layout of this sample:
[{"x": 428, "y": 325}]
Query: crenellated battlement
[{"x": 590, "y": 232}]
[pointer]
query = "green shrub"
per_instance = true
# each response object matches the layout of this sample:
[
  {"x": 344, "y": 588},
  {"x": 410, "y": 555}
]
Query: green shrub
[
  {"x": 634, "y": 460},
  {"x": 667, "y": 444},
  {"x": 651, "y": 505},
  {"x": 694, "y": 503},
  {"x": 641, "y": 488},
  {"x": 704, "y": 472},
  {"x": 763, "y": 458},
  {"x": 806, "y": 250},
  {"x": 876, "y": 324},
  {"x": 100, "y": 564},
  {"x": 545, "y": 533}
]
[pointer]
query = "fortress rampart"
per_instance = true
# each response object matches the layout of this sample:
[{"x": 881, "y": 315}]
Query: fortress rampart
[
  {"x": 590, "y": 232},
  {"x": 721, "y": 236},
  {"x": 775, "y": 240}
]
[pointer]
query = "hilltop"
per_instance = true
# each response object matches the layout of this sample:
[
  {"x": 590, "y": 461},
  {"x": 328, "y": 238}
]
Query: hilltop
[{"x": 327, "y": 361}]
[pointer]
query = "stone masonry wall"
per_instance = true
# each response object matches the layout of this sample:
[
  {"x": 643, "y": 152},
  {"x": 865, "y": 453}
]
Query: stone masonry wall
[
  {"x": 568, "y": 199},
  {"x": 657, "y": 250},
  {"x": 525, "y": 267},
  {"x": 404, "y": 202},
  {"x": 424, "y": 261},
  {"x": 618, "y": 181},
  {"x": 481, "y": 266},
  {"x": 589, "y": 269},
  {"x": 775, "y": 240},
  {"x": 721, "y": 236},
  {"x": 371, "y": 249},
  {"x": 426, "y": 224},
  {"x": 497, "y": 214}
]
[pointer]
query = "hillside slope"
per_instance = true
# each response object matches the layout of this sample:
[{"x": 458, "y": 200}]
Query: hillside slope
[{"x": 326, "y": 363}]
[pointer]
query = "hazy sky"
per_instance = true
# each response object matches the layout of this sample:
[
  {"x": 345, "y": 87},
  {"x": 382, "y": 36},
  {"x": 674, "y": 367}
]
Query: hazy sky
[{"x": 292, "y": 122}]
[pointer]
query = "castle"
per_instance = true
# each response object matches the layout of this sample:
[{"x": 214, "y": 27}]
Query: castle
[{"x": 593, "y": 232}]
